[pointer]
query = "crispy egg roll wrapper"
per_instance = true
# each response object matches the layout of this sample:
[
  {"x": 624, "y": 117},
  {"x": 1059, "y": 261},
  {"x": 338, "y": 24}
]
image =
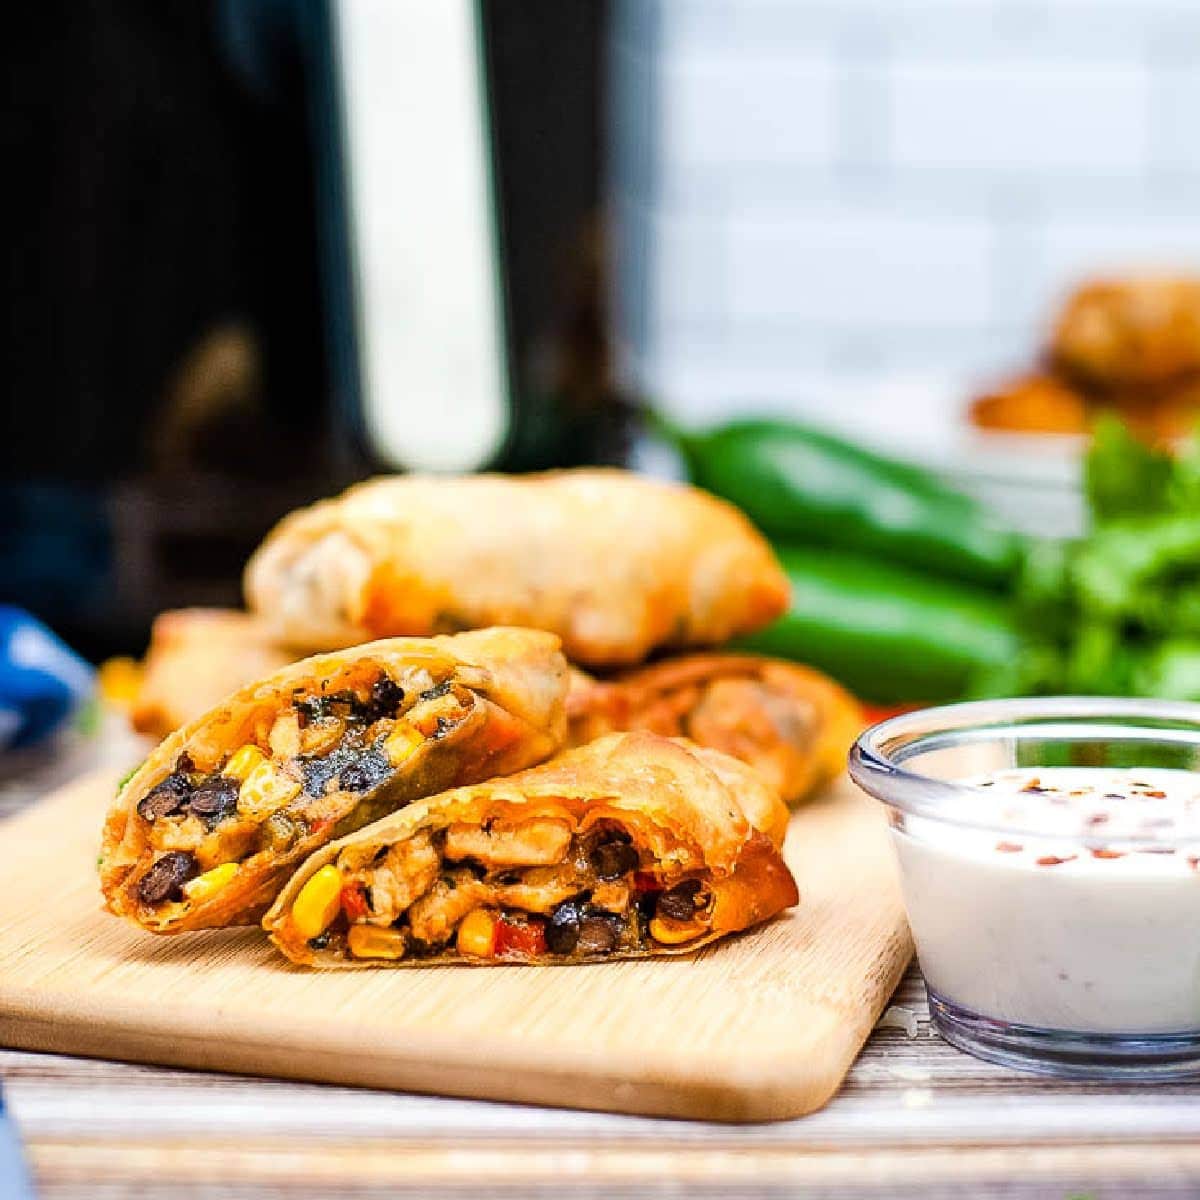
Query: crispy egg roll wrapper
[
  {"x": 1132, "y": 334},
  {"x": 791, "y": 723},
  {"x": 616, "y": 564},
  {"x": 690, "y": 812},
  {"x": 504, "y": 690}
]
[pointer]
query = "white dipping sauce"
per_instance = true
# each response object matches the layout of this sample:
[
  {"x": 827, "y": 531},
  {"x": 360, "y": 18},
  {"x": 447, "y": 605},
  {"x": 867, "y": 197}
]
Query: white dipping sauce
[{"x": 1059, "y": 930}]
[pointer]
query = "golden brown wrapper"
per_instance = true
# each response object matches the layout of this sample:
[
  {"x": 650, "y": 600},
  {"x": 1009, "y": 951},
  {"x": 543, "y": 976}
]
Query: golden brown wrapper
[
  {"x": 616, "y": 564},
  {"x": 1140, "y": 331},
  {"x": 685, "y": 806},
  {"x": 789, "y": 722},
  {"x": 517, "y": 679}
]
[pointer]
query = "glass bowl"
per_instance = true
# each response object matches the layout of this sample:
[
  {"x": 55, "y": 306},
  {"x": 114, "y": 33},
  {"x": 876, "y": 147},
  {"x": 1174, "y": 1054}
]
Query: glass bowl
[{"x": 1057, "y": 922}]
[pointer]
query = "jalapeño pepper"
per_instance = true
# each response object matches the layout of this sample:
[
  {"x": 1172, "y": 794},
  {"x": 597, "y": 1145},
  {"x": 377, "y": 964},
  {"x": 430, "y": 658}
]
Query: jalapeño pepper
[
  {"x": 802, "y": 485},
  {"x": 889, "y": 634}
]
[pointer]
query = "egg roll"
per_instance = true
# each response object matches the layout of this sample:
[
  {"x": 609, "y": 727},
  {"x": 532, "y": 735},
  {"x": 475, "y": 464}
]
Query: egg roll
[
  {"x": 197, "y": 657},
  {"x": 633, "y": 846},
  {"x": 616, "y": 564},
  {"x": 1137, "y": 332},
  {"x": 209, "y": 828},
  {"x": 791, "y": 723}
]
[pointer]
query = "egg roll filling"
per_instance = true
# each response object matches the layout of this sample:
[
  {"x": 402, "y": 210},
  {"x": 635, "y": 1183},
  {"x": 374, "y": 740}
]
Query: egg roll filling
[
  {"x": 535, "y": 890},
  {"x": 326, "y": 755}
]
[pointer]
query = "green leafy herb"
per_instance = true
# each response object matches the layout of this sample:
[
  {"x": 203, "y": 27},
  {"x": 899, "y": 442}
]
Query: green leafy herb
[
  {"x": 1123, "y": 476},
  {"x": 129, "y": 775}
]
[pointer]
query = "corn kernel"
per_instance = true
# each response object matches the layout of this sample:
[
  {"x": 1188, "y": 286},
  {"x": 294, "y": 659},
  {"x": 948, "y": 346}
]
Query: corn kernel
[
  {"x": 242, "y": 762},
  {"x": 477, "y": 934},
  {"x": 402, "y": 744},
  {"x": 266, "y": 790},
  {"x": 205, "y": 887},
  {"x": 369, "y": 941},
  {"x": 673, "y": 933},
  {"x": 318, "y": 902}
]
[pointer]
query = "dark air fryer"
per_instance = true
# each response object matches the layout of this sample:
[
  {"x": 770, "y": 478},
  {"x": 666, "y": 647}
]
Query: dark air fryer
[{"x": 265, "y": 248}]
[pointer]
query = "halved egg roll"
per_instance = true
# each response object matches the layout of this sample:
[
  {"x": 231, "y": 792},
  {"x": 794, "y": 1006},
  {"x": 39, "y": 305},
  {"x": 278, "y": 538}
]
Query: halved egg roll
[
  {"x": 792, "y": 724},
  {"x": 209, "y": 828},
  {"x": 633, "y": 846},
  {"x": 616, "y": 564}
]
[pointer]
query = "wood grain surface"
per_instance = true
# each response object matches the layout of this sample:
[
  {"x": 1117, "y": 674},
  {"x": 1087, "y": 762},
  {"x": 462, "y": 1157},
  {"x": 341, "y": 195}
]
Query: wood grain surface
[
  {"x": 914, "y": 1120},
  {"x": 761, "y": 1027}
]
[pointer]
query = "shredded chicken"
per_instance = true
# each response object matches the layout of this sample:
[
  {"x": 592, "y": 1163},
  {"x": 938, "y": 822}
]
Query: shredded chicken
[
  {"x": 537, "y": 843},
  {"x": 408, "y": 871},
  {"x": 540, "y": 890},
  {"x": 612, "y": 897},
  {"x": 433, "y": 917},
  {"x": 284, "y": 738}
]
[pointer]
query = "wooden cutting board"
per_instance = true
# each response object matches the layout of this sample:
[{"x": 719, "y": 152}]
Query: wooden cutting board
[{"x": 761, "y": 1027}]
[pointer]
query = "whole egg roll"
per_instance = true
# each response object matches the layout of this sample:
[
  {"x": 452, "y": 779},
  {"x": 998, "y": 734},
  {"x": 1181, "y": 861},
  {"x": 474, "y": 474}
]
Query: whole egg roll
[
  {"x": 616, "y": 564},
  {"x": 633, "y": 846},
  {"x": 212, "y": 824},
  {"x": 792, "y": 724},
  {"x": 197, "y": 657},
  {"x": 1136, "y": 332}
]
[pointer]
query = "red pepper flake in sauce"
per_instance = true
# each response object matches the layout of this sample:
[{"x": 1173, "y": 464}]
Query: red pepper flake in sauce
[
  {"x": 1096, "y": 819},
  {"x": 1035, "y": 785},
  {"x": 1009, "y": 847},
  {"x": 1194, "y": 861},
  {"x": 1156, "y": 795},
  {"x": 1053, "y": 860},
  {"x": 1103, "y": 852}
]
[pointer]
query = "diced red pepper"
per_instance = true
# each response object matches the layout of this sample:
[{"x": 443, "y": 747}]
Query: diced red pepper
[
  {"x": 527, "y": 940},
  {"x": 354, "y": 901}
]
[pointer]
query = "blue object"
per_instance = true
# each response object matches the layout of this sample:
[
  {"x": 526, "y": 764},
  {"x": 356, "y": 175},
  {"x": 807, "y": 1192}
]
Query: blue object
[
  {"x": 14, "y": 1178},
  {"x": 42, "y": 682}
]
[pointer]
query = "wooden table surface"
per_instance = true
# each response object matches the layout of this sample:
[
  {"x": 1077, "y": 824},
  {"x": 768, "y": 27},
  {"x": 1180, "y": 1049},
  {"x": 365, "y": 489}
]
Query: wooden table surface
[{"x": 916, "y": 1118}]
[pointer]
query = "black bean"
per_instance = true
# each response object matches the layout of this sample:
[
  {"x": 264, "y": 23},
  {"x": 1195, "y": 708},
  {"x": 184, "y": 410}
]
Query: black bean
[
  {"x": 165, "y": 798},
  {"x": 165, "y": 880},
  {"x": 320, "y": 941},
  {"x": 597, "y": 934},
  {"x": 611, "y": 860},
  {"x": 679, "y": 904},
  {"x": 562, "y": 930},
  {"x": 214, "y": 799},
  {"x": 318, "y": 771},
  {"x": 386, "y": 697},
  {"x": 311, "y": 709},
  {"x": 369, "y": 770}
]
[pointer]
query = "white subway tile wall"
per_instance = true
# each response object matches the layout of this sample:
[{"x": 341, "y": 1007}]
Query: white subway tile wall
[{"x": 861, "y": 209}]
